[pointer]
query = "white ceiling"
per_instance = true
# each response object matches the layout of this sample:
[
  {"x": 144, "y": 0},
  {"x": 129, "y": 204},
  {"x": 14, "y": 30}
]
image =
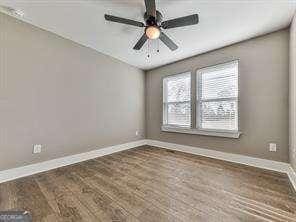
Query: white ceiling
[{"x": 222, "y": 22}]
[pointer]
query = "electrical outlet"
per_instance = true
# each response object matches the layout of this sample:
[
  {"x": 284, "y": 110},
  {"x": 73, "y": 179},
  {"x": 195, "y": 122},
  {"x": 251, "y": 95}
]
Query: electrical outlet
[
  {"x": 37, "y": 148},
  {"x": 272, "y": 147},
  {"x": 137, "y": 133}
]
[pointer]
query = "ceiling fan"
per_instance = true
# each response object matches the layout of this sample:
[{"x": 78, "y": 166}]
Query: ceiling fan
[{"x": 154, "y": 25}]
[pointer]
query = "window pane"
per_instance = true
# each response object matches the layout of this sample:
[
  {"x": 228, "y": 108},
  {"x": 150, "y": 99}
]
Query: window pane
[
  {"x": 220, "y": 115},
  {"x": 177, "y": 88},
  {"x": 217, "y": 97},
  {"x": 176, "y": 99},
  {"x": 219, "y": 82},
  {"x": 179, "y": 114}
]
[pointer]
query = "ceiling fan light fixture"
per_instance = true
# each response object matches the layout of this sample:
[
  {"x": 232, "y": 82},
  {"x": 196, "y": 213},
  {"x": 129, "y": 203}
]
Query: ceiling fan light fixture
[
  {"x": 152, "y": 32},
  {"x": 154, "y": 25}
]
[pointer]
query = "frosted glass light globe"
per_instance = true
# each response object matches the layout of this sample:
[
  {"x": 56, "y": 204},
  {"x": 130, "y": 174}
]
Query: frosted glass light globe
[{"x": 152, "y": 32}]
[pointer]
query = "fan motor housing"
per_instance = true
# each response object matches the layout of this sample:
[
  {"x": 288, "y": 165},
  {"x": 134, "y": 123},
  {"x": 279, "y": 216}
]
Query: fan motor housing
[{"x": 151, "y": 20}]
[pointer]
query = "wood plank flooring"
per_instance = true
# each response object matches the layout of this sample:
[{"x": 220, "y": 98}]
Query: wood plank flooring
[{"x": 152, "y": 184}]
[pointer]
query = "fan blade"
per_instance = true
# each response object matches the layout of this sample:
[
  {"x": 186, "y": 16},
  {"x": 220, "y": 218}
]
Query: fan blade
[
  {"x": 150, "y": 7},
  {"x": 141, "y": 42},
  {"x": 123, "y": 20},
  {"x": 168, "y": 42},
  {"x": 179, "y": 22}
]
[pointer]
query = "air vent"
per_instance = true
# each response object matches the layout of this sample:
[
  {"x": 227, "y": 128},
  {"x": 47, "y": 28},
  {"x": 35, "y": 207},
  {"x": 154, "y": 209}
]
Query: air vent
[{"x": 12, "y": 11}]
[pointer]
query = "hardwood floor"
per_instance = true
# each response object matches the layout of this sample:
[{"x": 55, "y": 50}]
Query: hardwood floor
[{"x": 153, "y": 184}]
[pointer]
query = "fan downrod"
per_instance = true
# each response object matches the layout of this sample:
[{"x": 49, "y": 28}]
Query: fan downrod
[{"x": 150, "y": 20}]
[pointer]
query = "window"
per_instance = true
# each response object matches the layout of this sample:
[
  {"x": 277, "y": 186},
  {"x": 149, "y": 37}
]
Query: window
[
  {"x": 217, "y": 97},
  {"x": 215, "y": 106},
  {"x": 177, "y": 100}
]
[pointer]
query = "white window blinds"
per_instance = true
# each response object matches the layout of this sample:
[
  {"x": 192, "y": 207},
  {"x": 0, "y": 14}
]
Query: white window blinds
[
  {"x": 176, "y": 100},
  {"x": 217, "y": 97}
]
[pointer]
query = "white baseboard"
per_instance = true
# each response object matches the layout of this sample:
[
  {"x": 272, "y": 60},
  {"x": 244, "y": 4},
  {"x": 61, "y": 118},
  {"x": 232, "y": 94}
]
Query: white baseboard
[
  {"x": 292, "y": 176},
  {"x": 31, "y": 169},
  {"x": 28, "y": 170},
  {"x": 235, "y": 158}
]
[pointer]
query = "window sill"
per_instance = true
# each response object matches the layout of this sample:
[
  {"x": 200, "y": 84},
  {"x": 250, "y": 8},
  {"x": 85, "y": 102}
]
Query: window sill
[{"x": 172, "y": 129}]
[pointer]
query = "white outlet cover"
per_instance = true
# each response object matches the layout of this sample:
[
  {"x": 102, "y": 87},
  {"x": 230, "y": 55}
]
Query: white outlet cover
[
  {"x": 37, "y": 148},
  {"x": 272, "y": 147},
  {"x": 137, "y": 133}
]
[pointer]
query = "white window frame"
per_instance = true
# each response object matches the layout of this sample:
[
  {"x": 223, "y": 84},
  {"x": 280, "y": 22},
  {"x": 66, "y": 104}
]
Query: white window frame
[
  {"x": 165, "y": 104},
  {"x": 195, "y": 109},
  {"x": 199, "y": 99}
]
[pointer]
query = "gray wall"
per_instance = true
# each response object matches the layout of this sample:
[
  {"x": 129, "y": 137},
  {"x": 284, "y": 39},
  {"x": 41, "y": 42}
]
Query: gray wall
[
  {"x": 65, "y": 96},
  {"x": 73, "y": 99},
  {"x": 293, "y": 93},
  {"x": 264, "y": 74}
]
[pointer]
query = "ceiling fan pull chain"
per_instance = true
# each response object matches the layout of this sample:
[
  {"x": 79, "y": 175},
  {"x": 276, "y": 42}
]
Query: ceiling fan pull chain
[
  {"x": 148, "y": 49},
  {"x": 157, "y": 45}
]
